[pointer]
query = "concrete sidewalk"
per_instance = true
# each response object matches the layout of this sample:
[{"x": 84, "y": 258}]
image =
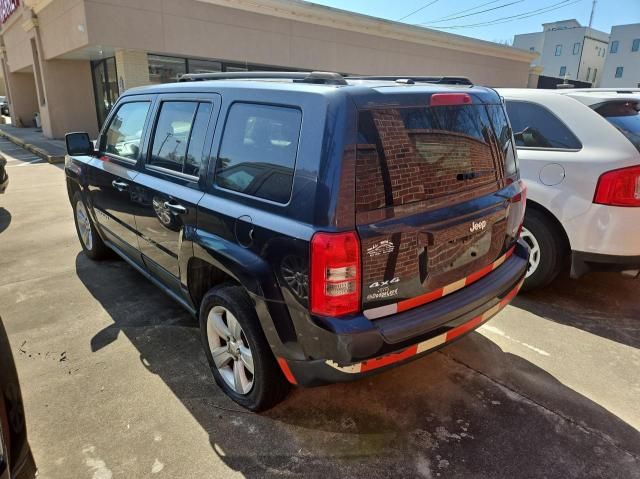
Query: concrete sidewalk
[{"x": 33, "y": 139}]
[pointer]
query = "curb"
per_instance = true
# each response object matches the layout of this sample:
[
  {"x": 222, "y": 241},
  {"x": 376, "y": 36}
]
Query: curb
[{"x": 53, "y": 159}]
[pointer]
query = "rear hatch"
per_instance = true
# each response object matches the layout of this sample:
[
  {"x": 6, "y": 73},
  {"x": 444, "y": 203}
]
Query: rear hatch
[{"x": 438, "y": 201}]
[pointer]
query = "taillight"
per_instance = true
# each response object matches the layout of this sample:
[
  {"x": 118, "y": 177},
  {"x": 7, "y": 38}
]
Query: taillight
[
  {"x": 619, "y": 187},
  {"x": 518, "y": 219},
  {"x": 335, "y": 273},
  {"x": 449, "y": 99}
]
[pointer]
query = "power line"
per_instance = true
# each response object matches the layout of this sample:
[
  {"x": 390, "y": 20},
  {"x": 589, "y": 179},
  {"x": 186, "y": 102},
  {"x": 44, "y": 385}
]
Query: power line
[
  {"x": 447, "y": 17},
  {"x": 418, "y": 10},
  {"x": 511, "y": 18},
  {"x": 475, "y": 13}
]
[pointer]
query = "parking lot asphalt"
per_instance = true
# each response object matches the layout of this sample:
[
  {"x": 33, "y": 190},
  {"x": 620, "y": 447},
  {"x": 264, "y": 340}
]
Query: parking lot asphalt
[{"x": 116, "y": 384}]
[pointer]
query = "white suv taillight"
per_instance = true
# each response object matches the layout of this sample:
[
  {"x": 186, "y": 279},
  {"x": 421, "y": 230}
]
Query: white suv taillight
[
  {"x": 619, "y": 187},
  {"x": 335, "y": 273}
]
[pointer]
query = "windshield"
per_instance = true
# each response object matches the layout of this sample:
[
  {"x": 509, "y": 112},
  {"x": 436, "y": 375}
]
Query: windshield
[{"x": 625, "y": 116}]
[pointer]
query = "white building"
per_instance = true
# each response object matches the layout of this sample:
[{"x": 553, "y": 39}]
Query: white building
[
  {"x": 568, "y": 49},
  {"x": 622, "y": 67}
]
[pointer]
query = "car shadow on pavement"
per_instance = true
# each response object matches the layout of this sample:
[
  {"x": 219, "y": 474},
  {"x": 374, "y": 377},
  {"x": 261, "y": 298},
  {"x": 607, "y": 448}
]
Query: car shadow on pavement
[
  {"x": 599, "y": 303},
  {"x": 5, "y": 219},
  {"x": 440, "y": 415}
]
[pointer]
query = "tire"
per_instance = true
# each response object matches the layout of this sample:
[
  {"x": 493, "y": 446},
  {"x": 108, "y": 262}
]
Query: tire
[
  {"x": 548, "y": 251},
  {"x": 256, "y": 391},
  {"x": 90, "y": 240}
]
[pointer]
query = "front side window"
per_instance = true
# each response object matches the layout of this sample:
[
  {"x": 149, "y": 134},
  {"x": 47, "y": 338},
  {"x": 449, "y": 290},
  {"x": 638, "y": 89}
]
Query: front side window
[
  {"x": 179, "y": 136},
  {"x": 635, "y": 46},
  {"x": 122, "y": 137},
  {"x": 536, "y": 127},
  {"x": 619, "y": 71},
  {"x": 172, "y": 133},
  {"x": 614, "y": 46},
  {"x": 563, "y": 71},
  {"x": 576, "y": 48},
  {"x": 258, "y": 151},
  {"x": 558, "y": 50}
]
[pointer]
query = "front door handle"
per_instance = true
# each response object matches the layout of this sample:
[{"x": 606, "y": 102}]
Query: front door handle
[
  {"x": 120, "y": 185},
  {"x": 175, "y": 208}
]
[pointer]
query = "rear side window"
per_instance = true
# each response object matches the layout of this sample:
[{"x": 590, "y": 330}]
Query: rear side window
[
  {"x": 179, "y": 135},
  {"x": 258, "y": 150},
  {"x": 536, "y": 127},
  {"x": 625, "y": 116},
  {"x": 122, "y": 137}
]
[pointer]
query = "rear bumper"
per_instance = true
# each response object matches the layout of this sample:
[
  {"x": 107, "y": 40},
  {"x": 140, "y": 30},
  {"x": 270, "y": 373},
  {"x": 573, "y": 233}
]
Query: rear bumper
[
  {"x": 358, "y": 347},
  {"x": 583, "y": 263}
]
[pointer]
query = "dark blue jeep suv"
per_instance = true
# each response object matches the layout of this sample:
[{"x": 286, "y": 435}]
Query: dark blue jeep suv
[{"x": 321, "y": 228}]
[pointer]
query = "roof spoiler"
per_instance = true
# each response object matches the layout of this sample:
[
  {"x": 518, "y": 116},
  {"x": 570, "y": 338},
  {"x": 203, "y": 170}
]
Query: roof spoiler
[
  {"x": 323, "y": 78},
  {"x": 443, "y": 80}
]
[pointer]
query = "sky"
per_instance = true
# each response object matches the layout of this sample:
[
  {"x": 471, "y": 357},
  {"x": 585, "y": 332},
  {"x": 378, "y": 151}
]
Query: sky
[{"x": 473, "y": 15}]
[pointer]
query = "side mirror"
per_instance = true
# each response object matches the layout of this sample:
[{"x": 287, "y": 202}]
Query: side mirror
[{"x": 79, "y": 144}]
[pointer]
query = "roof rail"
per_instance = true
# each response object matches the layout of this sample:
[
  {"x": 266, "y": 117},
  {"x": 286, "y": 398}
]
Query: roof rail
[
  {"x": 324, "y": 78},
  {"x": 444, "y": 80}
]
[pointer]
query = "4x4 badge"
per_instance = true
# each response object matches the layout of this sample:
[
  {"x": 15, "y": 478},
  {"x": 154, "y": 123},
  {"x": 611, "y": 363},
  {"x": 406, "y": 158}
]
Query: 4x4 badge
[{"x": 479, "y": 226}]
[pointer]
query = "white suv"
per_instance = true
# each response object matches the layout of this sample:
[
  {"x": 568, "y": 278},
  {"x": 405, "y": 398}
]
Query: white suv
[{"x": 579, "y": 153}]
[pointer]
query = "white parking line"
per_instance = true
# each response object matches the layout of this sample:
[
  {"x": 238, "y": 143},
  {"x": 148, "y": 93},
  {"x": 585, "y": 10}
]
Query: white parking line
[{"x": 26, "y": 163}]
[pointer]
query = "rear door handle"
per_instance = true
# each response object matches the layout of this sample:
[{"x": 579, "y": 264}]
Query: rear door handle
[
  {"x": 175, "y": 208},
  {"x": 119, "y": 185}
]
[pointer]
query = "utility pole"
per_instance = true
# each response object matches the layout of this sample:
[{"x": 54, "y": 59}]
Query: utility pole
[{"x": 593, "y": 10}]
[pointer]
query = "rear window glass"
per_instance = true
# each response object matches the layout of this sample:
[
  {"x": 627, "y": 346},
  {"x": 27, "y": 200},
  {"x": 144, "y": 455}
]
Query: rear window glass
[
  {"x": 536, "y": 127},
  {"x": 258, "y": 151},
  {"x": 625, "y": 116},
  {"x": 407, "y": 155}
]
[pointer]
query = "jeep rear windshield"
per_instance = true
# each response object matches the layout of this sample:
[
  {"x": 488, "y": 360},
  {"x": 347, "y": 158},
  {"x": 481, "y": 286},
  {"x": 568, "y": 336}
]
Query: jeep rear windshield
[
  {"x": 408, "y": 155},
  {"x": 625, "y": 116}
]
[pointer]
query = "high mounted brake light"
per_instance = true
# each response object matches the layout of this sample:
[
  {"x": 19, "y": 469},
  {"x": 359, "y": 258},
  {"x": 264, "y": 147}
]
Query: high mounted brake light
[
  {"x": 335, "y": 273},
  {"x": 619, "y": 187},
  {"x": 450, "y": 99}
]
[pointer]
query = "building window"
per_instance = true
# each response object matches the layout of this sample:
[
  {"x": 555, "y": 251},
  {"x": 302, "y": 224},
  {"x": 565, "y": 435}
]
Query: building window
[
  {"x": 563, "y": 71},
  {"x": 203, "y": 66},
  {"x": 588, "y": 73},
  {"x": 614, "y": 46},
  {"x": 558, "y": 50},
  {"x": 635, "y": 46},
  {"x": 595, "y": 74},
  {"x": 532, "y": 49},
  {"x": 619, "y": 71},
  {"x": 105, "y": 86},
  {"x": 164, "y": 69},
  {"x": 576, "y": 48}
]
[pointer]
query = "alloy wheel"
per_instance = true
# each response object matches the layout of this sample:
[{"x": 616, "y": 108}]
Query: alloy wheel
[
  {"x": 230, "y": 350},
  {"x": 534, "y": 258},
  {"x": 84, "y": 225}
]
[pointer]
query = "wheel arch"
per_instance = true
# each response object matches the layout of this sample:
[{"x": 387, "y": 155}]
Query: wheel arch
[{"x": 553, "y": 221}]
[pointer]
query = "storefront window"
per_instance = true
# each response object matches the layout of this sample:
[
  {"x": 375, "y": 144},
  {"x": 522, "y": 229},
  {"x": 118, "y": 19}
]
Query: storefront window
[
  {"x": 166, "y": 69},
  {"x": 105, "y": 86},
  {"x": 203, "y": 66}
]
